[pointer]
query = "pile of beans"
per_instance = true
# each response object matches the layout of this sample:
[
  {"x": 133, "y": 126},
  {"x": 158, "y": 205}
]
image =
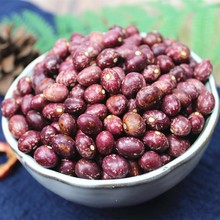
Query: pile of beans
[{"x": 110, "y": 105}]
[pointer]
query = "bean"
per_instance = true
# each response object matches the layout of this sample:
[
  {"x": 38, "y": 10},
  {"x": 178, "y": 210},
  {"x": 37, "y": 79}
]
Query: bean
[
  {"x": 35, "y": 120},
  {"x": 9, "y": 107},
  {"x": 113, "y": 124},
  {"x": 130, "y": 147},
  {"x": 67, "y": 124},
  {"x": 197, "y": 121},
  {"x": 203, "y": 70},
  {"x": 67, "y": 77},
  {"x": 171, "y": 105},
  {"x": 74, "y": 106},
  {"x": 115, "y": 166},
  {"x": 53, "y": 111},
  {"x": 180, "y": 126},
  {"x": 99, "y": 110},
  {"x": 47, "y": 133}
]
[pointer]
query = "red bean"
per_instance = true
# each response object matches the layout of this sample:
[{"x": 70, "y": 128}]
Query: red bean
[
  {"x": 105, "y": 142},
  {"x": 189, "y": 88},
  {"x": 77, "y": 92},
  {"x": 85, "y": 146},
  {"x": 99, "y": 110},
  {"x": 17, "y": 125},
  {"x": 26, "y": 103},
  {"x": 203, "y": 70},
  {"x": 45, "y": 156},
  {"x": 56, "y": 92},
  {"x": 205, "y": 102},
  {"x": 165, "y": 63},
  {"x": 9, "y": 107},
  {"x": 130, "y": 147},
  {"x": 131, "y": 30},
  {"x": 53, "y": 111},
  {"x": 110, "y": 81},
  {"x": 180, "y": 126},
  {"x": 112, "y": 38},
  {"x": 132, "y": 83},
  {"x": 63, "y": 145},
  {"x": 89, "y": 124},
  {"x": 67, "y": 124},
  {"x": 113, "y": 124},
  {"x": 87, "y": 169},
  {"x": 156, "y": 120},
  {"x": 171, "y": 105},
  {"x": 197, "y": 121},
  {"x": 47, "y": 133},
  {"x": 115, "y": 166},
  {"x": 184, "y": 98},
  {"x": 38, "y": 102},
  {"x": 134, "y": 168},
  {"x": 117, "y": 104},
  {"x": 29, "y": 141},
  {"x": 35, "y": 120},
  {"x": 133, "y": 124},
  {"x": 178, "y": 145},
  {"x": 89, "y": 75},
  {"x": 150, "y": 161},
  {"x": 156, "y": 141},
  {"x": 147, "y": 97},
  {"x": 67, "y": 167}
]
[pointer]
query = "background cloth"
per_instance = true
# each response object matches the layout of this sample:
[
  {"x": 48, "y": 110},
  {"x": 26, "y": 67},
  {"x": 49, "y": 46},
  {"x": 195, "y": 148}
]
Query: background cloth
[{"x": 196, "y": 197}]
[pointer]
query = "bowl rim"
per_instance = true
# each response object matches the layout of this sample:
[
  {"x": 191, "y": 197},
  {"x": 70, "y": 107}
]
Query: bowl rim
[{"x": 198, "y": 145}]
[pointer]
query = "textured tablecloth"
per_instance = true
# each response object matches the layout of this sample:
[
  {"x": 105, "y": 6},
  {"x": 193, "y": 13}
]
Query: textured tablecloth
[{"x": 196, "y": 197}]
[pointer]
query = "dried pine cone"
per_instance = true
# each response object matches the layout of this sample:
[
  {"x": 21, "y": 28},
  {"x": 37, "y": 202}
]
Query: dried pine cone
[{"x": 16, "y": 52}]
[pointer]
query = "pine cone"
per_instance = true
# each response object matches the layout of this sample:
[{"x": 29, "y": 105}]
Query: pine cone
[{"x": 16, "y": 52}]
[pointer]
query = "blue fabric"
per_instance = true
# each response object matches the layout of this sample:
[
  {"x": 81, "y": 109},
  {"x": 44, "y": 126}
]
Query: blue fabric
[{"x": 196, "y": 197}]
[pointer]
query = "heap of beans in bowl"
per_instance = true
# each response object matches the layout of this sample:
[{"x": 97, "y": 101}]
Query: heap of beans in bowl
[{"x": 110, "y": 105}]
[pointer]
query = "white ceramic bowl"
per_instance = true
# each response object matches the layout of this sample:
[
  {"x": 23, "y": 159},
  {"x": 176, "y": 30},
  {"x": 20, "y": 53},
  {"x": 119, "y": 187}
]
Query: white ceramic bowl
[{"x": 117, "y": 192}]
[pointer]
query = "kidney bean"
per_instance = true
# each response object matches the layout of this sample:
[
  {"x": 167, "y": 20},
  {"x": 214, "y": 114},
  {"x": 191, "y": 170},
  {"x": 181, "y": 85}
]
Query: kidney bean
[
  {"x": 67, "y": 77},
  {"x": 29, "y": 141},
  {"x": 47, "y": 133},
  {"x": 26, "y": 103},
  {"x": 203, "y": 70},
  {"x": 107, "y": 58},
  {"x": 35, "y": 120},
  {"x": 38, "y": 102},
  {"x": 179, "y": 52},
  {"x": 45, "y": 156},
  {"x": 56, "y": 92},
  {"x": 80, "y": 58},
  {"x": 156, "y": 119},
  {"x": 89, "y": 124},
  {"x": 113, "y": 124},
  {"x": 87, "y": 169},
  {"x": 171, "y": 105},
  {"x": 156, "y": 141},
  {"x": 134, "y": 168},
  {"x": 126, "y": 50},
  {"x": 63, "y": 145},
  {"x": 163, "y": 85},
  {"x": 178, "y": 145},
  {"x": 150, "y": 161},
  {"x": 152, "y": 38},
  {"x": 189, "y": 88},
  {"x": 134, "y": 39},
  {"x": 179, "y": 73},
  {"x": 43, "y": 85},
  {"x": 133, "y": 124},
  {"x": 67, "y": 124},
  {"x": 120, "y": 72},
  {"x": 117, "y": 104},
  {"x": 67, "y": 167},
  {"x": 131, "y": 106},
  {"x": 17, "y": 125},
  {"x": 53, "y": 111},
  {"x": 74, "y": 106},
  {"x": 105, "y": 142},
  {"x": 89, "y": 76},
  {"x": 147, "y": 97},
  {"x": 188, "y": 70},
  {"x": 170, "y": 78},
  {"x": 85, "y": 146},
  {"x": 94, "y": 94},
  {"x": 130, "y": 147},
  {"x": 180, "y": 126},
  {"x": 159, "y": 49},
  {"x": 9, "y": 107},
  {"x": 197, "y": 121},
  {"x": 112, "y": 38},
  {"x": 132, "y": 83},
  {"x": 184, "y": 98},
  {"x": 61, "y": 48},
  {"x": 130, "y": 30},
  {"x": 205, "y": 102},
  {"x": 198, "y": 84},
  {"x": 115, "y": 166},
  {"x": 25, "y": 85},
  {"x": 151, "y": 73},
  {"x": 165, "y": 63},
  {"x": 97, "y": 109},
  {"x": 77, "y": 92}
]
